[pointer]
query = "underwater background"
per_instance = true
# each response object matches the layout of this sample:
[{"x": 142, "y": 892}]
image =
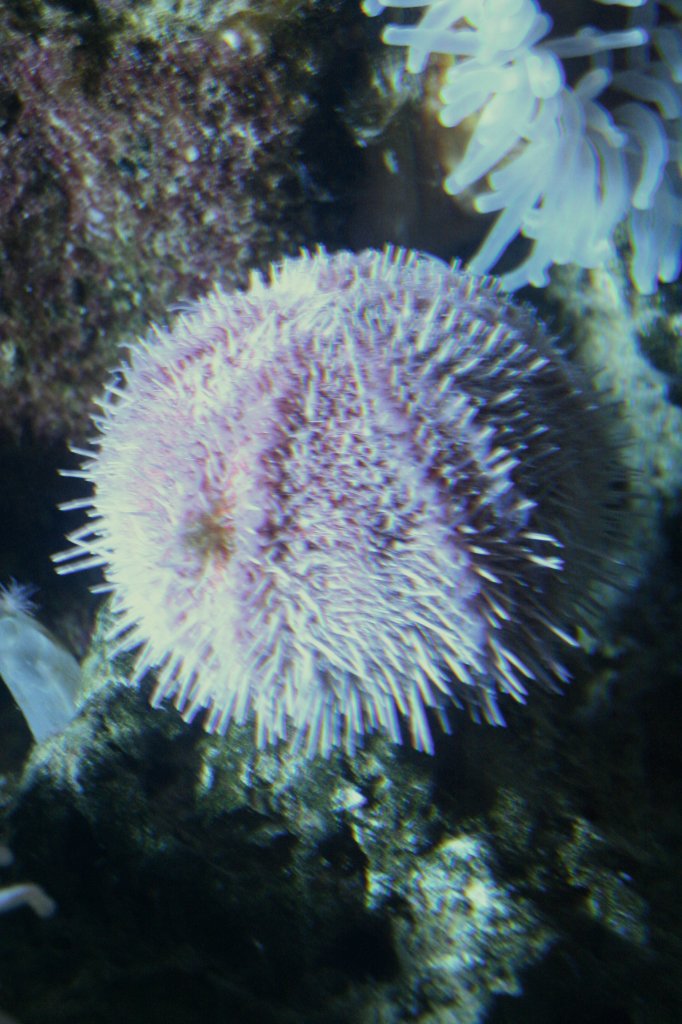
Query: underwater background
[{"x": 149, "y": 150}]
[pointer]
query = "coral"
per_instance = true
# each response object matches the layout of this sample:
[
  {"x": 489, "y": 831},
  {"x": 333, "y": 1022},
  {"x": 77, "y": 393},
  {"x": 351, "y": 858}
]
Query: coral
[
  {"x": 369, "y": 487},
  {"x": 564, "y": 164},
  {"x": 463, "y": 938},
  {"x": 383, "y": 887},
  {"x": 619, "y": 336}
]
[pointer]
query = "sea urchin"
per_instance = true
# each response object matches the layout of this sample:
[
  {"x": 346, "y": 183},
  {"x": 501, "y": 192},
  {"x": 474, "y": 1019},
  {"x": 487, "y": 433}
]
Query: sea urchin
[{"x": 366, "y": 487}]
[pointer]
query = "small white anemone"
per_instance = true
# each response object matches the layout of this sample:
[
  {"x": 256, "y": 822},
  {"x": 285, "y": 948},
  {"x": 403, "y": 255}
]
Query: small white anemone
[
  {"x": 45, "y": 679},
  {"x": 17, "y": 598}
]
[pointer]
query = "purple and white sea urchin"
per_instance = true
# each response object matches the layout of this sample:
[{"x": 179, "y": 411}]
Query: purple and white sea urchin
[{"x": 366, "y": 487}]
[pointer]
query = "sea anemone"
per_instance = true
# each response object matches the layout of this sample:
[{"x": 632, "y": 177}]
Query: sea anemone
[
  {"x": 564, "y": 165},
  {"x": 45, "y": 679},
  {"x": 365, "y": 488}
]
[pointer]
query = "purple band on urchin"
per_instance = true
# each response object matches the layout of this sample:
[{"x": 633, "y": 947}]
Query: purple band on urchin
[{"x": 366, "y": 487}]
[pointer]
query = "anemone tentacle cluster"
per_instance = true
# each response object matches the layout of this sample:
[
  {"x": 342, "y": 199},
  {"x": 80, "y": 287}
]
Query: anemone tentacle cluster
[
  {"x": 364, "y": 488},
  {"x": 563, "y": 165}
]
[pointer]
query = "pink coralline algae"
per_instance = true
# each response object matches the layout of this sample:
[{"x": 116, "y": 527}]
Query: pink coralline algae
[
  {"x": 368, "y": 487},
  {"x": 127, "y": 177}
]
